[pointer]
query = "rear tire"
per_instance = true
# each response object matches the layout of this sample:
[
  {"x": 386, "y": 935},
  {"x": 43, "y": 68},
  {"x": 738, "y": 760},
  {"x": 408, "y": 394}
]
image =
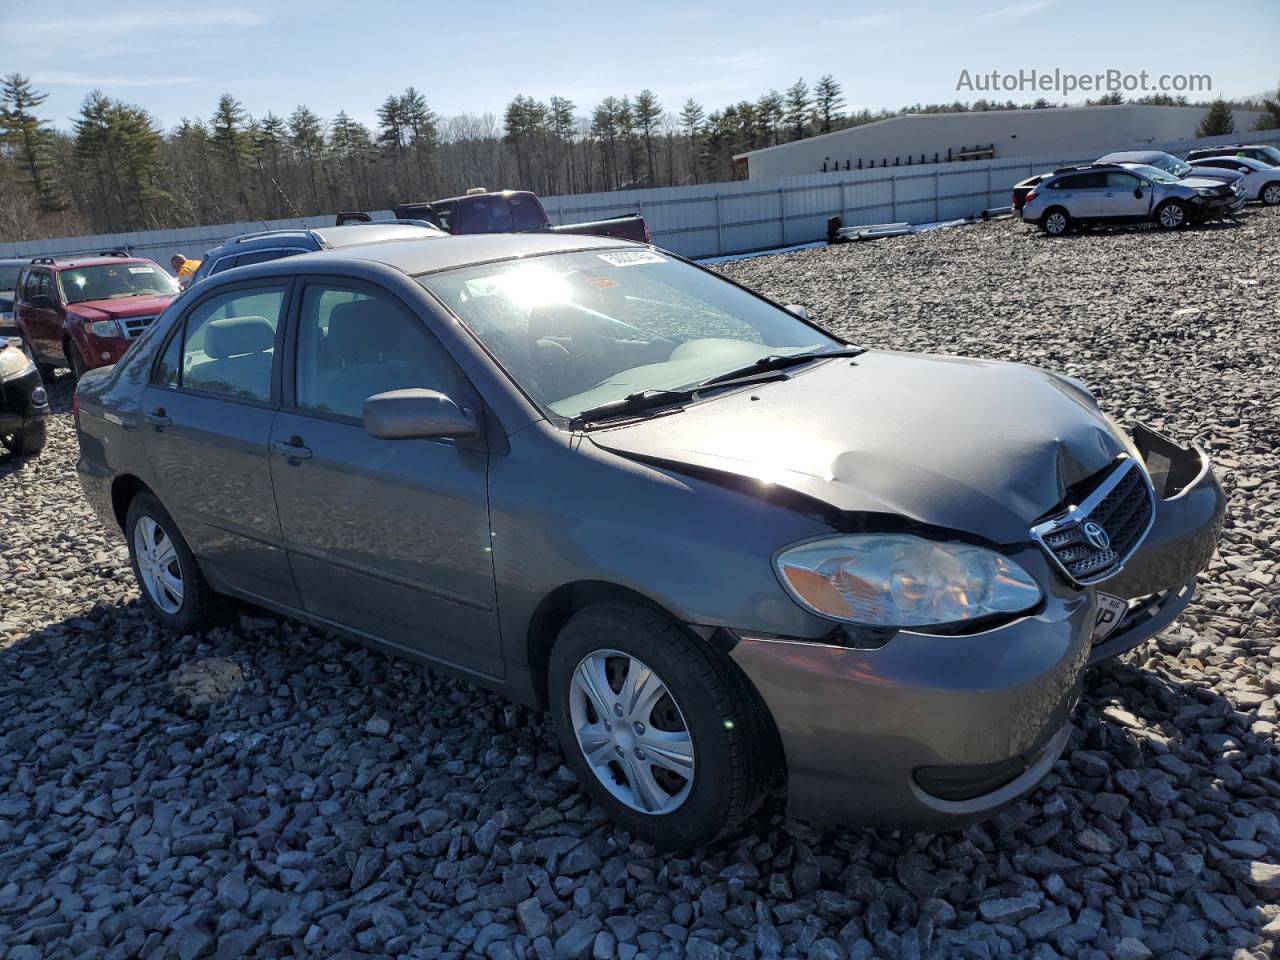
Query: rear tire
[
  {"x": 1055, "y": 222},
  {"x": 29, "y": 442},
  {"x": 168, "y": 576},
  {"x": 1270, "y": 194},
  {"x": 1172, "y": 215},
  {"x": 46, "y": 370},
  {"x": 698, "y": 735}
]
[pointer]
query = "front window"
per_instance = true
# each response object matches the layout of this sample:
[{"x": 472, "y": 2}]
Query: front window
[
  {"x": 576, "y": 330},
  {"x": 114, "y": 281}
]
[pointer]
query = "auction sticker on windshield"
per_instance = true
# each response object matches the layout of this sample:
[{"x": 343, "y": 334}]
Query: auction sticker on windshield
[
  {"x": 1111, "y": 611},
  {"x": 630, "y": 258},
  {"x": 142, "y": 270}
]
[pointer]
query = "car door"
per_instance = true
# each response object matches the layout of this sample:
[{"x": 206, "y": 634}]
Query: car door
[
  {"x": 39, "y": 315},
  {"x": 1125, "y": 196},
  {"x": 387, "y": 538},
  {"x": 1081, "y": 194},
  {"x": 206, "y": 423}
]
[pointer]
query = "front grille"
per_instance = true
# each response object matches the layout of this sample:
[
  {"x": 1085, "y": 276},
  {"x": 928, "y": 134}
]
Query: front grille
[
  {"x": 134, "y": 326},
  {"x": 1091, "y": 541}
]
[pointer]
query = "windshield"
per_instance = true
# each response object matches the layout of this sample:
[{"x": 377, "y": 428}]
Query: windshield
[
  {"x": 112, "y": 281},
  {"x": 1172, "y": 165},
  {"x": 1272, "y": 155},
  {"x": 1151, "y": 173},
  {"x": 9, "y": 276},
  {"x": 576, "y": 330}
]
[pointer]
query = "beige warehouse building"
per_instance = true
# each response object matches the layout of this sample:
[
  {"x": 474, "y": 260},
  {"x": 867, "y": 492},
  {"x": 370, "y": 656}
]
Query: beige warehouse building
[{"x": 924, "y": 137}]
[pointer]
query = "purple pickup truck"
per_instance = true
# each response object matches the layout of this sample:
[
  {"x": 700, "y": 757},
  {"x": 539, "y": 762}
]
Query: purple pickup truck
[{"x": 514, "y": 211}]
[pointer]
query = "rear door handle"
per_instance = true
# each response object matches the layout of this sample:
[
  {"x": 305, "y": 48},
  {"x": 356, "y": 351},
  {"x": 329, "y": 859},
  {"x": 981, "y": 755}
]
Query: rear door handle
[
  {"x": 157, "y": 418},
  {"x": 292, "y": 450}
]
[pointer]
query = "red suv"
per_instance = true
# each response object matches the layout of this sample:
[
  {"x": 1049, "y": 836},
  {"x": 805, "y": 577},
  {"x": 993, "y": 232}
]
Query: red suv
[{"x": 85, "y": 312}]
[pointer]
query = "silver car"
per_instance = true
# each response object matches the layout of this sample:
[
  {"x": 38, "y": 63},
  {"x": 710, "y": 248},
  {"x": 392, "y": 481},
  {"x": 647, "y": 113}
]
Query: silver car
[
  {"x": 717, "y": 542},
  {"x": 1124, "y": 193}
]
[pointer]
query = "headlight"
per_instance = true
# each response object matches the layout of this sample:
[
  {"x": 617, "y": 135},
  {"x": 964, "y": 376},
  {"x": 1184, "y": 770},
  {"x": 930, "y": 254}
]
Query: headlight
[
  {"x": 1204, "y": 191},
  {"x": 899, "y": 580},
  {"x": 104, "y": 328},
  {"x": 13, "y": 362}
]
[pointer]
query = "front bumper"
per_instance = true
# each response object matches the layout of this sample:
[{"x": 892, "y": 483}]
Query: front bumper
[
  {"x": 104, "y": 351},
  {"x": 23, "y": 402},
  {"x": 930, "y": 732},
  {"x": 870, "y": 734}
]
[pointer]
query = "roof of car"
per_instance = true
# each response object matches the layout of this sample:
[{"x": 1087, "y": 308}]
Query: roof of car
[
  {"x": 429, "y": 254},
  {"x": 1131, "y": 156},
  {"x": 64, "y": 263},
  {"x": 344, "y": 236}
]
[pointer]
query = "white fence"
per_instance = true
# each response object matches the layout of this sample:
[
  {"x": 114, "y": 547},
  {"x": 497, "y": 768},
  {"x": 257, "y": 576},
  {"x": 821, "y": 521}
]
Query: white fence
[{"x": 711, "y": 219}]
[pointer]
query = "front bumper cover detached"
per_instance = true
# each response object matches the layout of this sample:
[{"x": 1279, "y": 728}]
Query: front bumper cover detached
[{"x": 930, "y": 732}]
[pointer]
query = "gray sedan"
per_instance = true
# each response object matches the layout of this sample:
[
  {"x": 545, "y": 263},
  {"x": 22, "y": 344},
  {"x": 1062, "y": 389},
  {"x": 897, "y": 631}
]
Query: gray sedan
[{"x": 719, "y": 544}]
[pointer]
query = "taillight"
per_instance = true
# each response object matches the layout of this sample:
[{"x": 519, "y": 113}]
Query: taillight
[{"x": 1031, "y": 195}]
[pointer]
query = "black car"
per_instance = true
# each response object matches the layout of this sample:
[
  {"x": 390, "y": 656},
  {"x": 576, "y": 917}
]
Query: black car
[
  {"x": 274, "y": 244},
  {"x": 1261, "y": 152},
  {"x": 24, "y": 405}
]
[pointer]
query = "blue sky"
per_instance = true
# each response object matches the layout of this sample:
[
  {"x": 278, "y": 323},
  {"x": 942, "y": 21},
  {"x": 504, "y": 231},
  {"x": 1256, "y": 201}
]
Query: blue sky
[{"x": 176, "y": 59}]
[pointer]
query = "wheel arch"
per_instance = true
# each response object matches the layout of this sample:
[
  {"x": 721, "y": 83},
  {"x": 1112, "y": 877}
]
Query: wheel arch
[
  {"x": 555, "y": 610},
  {"x": 123, "y": 490}
]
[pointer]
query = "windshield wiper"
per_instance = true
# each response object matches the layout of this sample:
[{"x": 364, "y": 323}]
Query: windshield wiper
[
  {"x": 778, "y": 361},
  {"x": 632, "y": 403}
]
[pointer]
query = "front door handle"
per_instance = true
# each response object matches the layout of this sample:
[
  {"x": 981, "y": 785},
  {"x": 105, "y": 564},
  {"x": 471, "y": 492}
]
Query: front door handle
[
  {"x": 157, "y": 418},
  {"x": 293, "y": 449}
]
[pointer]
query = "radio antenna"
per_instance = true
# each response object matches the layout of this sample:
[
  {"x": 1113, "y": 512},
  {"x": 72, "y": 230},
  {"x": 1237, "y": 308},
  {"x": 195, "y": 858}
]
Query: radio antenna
[{"x": 285, "y": 196}]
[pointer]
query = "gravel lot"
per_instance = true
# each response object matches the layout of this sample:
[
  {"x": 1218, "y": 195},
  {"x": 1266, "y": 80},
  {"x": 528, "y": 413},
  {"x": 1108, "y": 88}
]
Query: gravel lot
[{"x": 264, "y": 790}]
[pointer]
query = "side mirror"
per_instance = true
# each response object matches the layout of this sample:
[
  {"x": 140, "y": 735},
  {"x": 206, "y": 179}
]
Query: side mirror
[
  {"x": 1137, "y": 192},
  {"x": 42, "y": 301},
  {"x": 800, "y": 311},
  {"x": 416, "y": 414}
]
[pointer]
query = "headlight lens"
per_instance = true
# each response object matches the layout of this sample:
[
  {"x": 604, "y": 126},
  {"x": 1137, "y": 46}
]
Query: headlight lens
[
  {"x": 104, "y": 328},
  {"x": 1204, "y": 191},
  {"x": 899, "y": 580}
]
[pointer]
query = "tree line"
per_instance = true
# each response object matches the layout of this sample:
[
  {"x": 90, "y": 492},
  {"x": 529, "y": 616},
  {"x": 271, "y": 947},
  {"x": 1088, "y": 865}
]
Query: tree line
[{"x": 116, "y": 169}]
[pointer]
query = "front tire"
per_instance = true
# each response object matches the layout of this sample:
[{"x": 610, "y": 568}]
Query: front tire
[
  {"x": 1172, "y": 215},
  {"x": 168, "y": 577},
  {"x": 29, "y": 442},
  {"x": 1270, "y": 194},
  {"x": 1055, "y": 222},
  {"x": 662, "y": 730},
  {"x": 75, "y": 360}
]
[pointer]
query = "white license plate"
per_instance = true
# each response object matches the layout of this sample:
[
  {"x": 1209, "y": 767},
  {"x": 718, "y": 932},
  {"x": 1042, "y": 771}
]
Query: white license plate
[{"x": 1111, "y": 611}]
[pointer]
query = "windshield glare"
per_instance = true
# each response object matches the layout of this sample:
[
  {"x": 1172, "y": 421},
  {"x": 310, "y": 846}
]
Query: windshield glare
[
  {"x": 1172, "y": 165},
  {"x": 112, "y": 281},
  {"x": 576, "y": 330}
]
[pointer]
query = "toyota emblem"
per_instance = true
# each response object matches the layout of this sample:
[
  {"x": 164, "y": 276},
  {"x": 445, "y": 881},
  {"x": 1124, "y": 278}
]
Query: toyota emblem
[{"x": 1096, "y": 536}]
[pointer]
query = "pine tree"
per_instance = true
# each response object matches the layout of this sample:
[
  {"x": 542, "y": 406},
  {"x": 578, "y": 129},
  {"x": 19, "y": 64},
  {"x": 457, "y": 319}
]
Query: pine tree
[
  {"x": 1270, "y": 119},
  {"x": 352, "y": 146},
  {"x": 306, "y": 137},
  {"x": 420, "y": 123},
  {"x": 231, "y": 144},
  {"x": 604, "y": 128},
  {"x": 798, "y": 104},
  {"x": 828, "y": 101},
  {"x": 691, "y": 118},
  {"x": 772, "y": 115},
  {"x": 29, "y": 139},
  {"x": 1217, "y": 121},
  {"x": 561, "y": 119},
  {"x": 647, "y": 111}
]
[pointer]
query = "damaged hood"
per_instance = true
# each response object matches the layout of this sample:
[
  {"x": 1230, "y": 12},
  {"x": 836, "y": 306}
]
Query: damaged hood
[{"x": 977, "y": 446}]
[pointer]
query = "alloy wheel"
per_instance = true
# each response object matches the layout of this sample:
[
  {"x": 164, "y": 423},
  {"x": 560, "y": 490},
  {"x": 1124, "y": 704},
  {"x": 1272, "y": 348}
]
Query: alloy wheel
[
  {"x": 158, "y": 565},
  {"x": 1271, "y": 195},
  {"x": 632, "y": 732},
  {"x": 1056, "y": 224},
  {"x": 1172, "y": 215}
]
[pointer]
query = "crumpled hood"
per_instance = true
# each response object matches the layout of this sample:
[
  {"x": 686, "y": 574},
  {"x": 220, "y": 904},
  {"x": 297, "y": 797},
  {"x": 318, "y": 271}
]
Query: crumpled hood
[
  {"x": 124, "y": 307},
  {"x": 977, "y": 446}
]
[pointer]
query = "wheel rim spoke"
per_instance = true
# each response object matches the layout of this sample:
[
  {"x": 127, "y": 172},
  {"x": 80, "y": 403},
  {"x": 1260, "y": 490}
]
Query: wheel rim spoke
[
  {"x": 612, "y": 702},
  {"x": 158, "y": 565}
]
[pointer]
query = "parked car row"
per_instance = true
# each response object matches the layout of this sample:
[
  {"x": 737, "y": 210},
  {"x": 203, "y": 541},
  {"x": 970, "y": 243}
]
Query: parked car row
[{"x": 1149, "y": 186}]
